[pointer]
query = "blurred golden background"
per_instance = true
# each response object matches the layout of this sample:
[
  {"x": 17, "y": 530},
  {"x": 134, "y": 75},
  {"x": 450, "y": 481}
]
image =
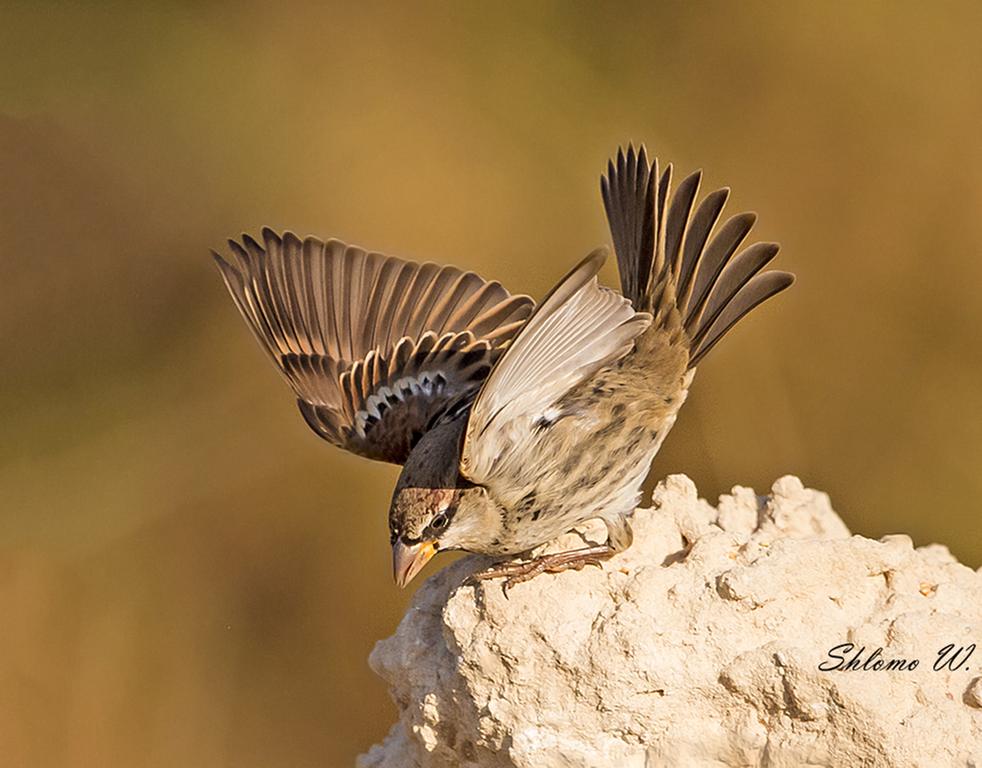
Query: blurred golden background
[{"x": 188, "y": 577}]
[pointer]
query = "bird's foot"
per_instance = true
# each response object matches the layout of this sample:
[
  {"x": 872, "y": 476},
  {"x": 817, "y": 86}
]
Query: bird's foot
[{"x": 516, "y": 573}]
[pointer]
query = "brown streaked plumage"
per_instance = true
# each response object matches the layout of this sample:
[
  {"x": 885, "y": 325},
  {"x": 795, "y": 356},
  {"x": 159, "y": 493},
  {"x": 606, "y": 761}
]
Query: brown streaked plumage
[
  {"x": 514, "y": 425},
  {"x": 375, "y": 348}
]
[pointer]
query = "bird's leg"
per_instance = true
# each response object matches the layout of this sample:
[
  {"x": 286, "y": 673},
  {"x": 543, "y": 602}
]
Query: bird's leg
[
  {"x": 575, "y": 559},
  {"x": 619, "y": 538}
]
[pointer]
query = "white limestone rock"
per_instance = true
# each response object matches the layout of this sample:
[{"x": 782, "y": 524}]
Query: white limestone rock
[{"x": 699, "y": 646}]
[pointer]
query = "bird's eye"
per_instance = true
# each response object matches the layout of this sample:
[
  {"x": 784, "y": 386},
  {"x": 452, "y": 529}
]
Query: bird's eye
[{"x": 439, "y": 522}]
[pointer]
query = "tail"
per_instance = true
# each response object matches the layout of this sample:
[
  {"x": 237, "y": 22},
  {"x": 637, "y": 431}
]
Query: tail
[{"x": 671, "y": 263}]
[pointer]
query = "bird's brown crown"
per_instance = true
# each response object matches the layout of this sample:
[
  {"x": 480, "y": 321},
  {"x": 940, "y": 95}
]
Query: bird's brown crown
[{"x": 429, "y": 483}]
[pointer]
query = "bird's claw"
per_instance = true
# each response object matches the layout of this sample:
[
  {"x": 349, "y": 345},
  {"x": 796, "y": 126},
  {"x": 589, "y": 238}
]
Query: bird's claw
[{"x": 516, "y": 573}]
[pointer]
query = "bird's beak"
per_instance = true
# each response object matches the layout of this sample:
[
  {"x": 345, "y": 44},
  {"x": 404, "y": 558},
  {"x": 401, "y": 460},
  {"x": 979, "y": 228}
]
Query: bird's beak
[{"x": 409, "y": 559}]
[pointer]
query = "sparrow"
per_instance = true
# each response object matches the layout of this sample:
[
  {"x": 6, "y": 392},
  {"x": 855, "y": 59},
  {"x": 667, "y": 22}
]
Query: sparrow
[{"x": 514, "y": 422}]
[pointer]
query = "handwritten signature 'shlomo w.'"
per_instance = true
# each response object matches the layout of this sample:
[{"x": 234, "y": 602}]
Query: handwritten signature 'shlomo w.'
[{"x": 846, "y": 658}]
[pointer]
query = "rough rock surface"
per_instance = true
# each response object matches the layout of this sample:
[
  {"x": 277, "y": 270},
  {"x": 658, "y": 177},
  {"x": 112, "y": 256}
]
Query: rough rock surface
[{"x": 699, "y": 646}]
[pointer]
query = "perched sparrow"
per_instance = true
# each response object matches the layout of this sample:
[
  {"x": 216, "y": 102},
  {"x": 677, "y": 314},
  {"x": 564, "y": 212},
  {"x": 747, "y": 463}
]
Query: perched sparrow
[{"x": 513, "y": 425}]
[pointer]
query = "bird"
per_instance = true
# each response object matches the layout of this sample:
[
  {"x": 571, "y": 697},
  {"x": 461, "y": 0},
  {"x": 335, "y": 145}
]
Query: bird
[{"x": 514, "y": 421}]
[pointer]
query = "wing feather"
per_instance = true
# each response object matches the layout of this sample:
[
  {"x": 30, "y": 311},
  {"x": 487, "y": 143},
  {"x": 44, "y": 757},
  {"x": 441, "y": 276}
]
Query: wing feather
[
  {"x": 576, "y": 330},
  {"x": 376, "y": 349}
]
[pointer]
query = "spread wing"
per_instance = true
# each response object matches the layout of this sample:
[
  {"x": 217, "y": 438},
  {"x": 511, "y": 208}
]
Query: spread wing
[
  {"x": 377, "y": 349},
  {"x": 578, "y": 328}
]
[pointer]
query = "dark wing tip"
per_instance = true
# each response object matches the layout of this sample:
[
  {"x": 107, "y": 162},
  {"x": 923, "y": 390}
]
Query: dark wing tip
[
  {"x": 222, "y": 264},
  {"x": 787, "y": 279},
  {"x": 770, "y": 249},
  {"x": 250, "y": 242},
  {"x": 596, "y": 258}
]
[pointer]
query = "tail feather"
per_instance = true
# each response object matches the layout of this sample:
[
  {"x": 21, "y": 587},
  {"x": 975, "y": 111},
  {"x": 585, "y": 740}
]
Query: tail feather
[
  {"x": 628, "y": 193},
  {"x": 713, "y": 260},
  {"x": 737, "y": 273},
  {"x": 697, "y": 235},
  {"x": 660, "y": 264},
  {"x": 755, "y": 292},
  {"x": 678, "y": 217},
  {"x": 671, "y": 262}
]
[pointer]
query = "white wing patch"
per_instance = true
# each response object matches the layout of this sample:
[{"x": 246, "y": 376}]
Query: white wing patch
[{"x": 384, "y": 398}]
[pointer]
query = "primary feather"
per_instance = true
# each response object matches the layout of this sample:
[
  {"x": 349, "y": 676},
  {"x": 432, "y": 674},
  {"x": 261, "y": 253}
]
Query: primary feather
[{"x": 377, "y": 349}]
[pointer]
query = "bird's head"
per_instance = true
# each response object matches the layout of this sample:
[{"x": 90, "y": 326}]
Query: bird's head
[{"x": 433, "y": 508}]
